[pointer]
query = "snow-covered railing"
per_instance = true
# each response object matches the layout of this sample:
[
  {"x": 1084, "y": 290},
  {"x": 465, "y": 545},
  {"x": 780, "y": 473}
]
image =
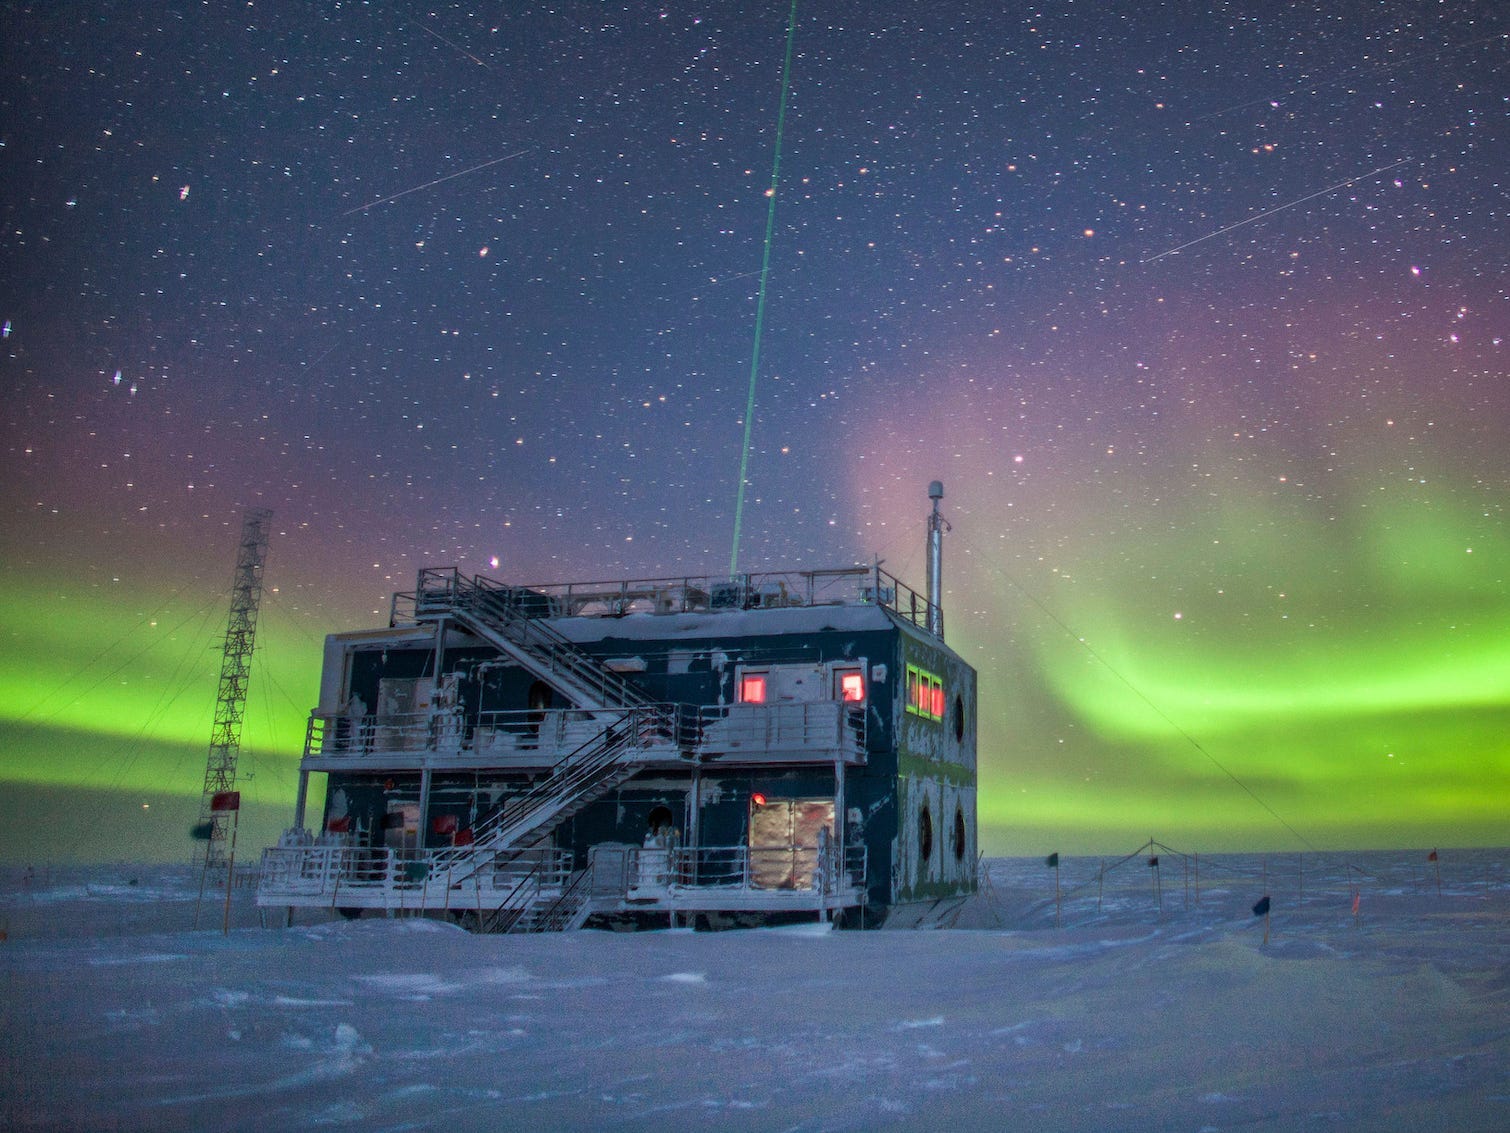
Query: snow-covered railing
[
  {"x": 650, "y": 871},
  {"x": 846, "y": 586},
  {"x": 818, "y": 729},
  {"x": 822, "y": 729},
  {"x": 548, "y": 734},
  {"x": 348, "y": 876}
]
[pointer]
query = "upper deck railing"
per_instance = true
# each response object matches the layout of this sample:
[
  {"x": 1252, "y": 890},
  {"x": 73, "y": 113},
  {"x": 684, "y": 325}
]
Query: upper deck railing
[
  {"x": 820, "y": 729},
  {"x": 848, "y": 586}
]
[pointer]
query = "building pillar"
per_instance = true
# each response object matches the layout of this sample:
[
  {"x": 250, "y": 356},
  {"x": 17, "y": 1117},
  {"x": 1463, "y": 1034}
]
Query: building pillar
[
  {"x": 301, "y": 799},
  {"x": 694, "y": 819},
  {"x": 840, "y": 821},
  {"x": 424, "y": 807}
]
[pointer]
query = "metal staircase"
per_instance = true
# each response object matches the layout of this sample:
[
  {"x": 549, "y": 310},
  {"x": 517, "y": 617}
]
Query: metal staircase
[
  {"x": 512, "y": 620},
  {"x": 584, "y": 775},
  {"x": 544, "y": 910}
]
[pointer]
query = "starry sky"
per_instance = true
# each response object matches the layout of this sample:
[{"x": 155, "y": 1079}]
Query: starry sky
[{"x": 1198, "y": 310}]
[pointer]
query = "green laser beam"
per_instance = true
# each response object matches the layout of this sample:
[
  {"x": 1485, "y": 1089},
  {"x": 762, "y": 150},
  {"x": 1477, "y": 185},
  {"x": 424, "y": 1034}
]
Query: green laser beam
[{"x": 765, "y": 271}]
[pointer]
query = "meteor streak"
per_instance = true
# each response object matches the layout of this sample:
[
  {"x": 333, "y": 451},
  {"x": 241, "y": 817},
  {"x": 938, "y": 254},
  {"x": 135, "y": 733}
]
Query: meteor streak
[
  {"x": 1277, "y": 208},
  {"x": 455, "y": 46},
  {"x": 437, "y": 181}
]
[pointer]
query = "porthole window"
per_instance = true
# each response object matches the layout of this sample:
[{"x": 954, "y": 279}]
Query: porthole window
[
  {"x": 959, "y": 834},
  {"x": 925, "y": 834},
  {"x": 959, "y": 718}
]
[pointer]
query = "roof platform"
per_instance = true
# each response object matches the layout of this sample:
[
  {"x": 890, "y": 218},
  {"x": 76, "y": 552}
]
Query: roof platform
[{"x": 435, "y": 589}]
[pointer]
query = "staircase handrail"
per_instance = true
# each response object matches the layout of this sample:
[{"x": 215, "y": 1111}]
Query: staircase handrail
[
  {"x": 491, "y": 922},
  {"x": 549, "y": 919},
  {"x": 486, "y": 605},
  {"x": 572, "y": 775}
]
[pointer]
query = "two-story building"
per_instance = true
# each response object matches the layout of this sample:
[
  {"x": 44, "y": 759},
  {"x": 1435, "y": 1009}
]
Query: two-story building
[{"x": 674, "y": 750}]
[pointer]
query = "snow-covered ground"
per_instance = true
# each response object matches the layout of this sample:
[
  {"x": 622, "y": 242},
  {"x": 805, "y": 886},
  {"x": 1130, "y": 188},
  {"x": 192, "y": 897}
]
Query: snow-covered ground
[{"x": 1128, "y": 1016}]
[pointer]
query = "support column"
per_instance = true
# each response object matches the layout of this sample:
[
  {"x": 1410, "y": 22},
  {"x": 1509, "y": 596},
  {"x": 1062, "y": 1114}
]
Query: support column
[
  {"x": 840, "y": 819},
  {"x": 694, "y": 819},
  {"x": 424, "y": 807},
  {"x": 301, "y": 799}
]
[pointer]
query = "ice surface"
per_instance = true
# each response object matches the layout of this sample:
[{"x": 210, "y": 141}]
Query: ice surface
[{"x": 1128, "y": 1016}]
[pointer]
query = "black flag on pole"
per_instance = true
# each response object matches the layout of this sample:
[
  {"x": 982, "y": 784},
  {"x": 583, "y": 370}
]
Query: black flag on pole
[
  {"x": 1052, "y": 861},
  {"x": 1262, "y": 908}
]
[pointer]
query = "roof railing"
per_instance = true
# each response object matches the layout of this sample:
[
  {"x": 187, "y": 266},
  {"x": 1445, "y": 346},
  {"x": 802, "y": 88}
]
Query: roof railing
[{"x": 437, "y": 588}]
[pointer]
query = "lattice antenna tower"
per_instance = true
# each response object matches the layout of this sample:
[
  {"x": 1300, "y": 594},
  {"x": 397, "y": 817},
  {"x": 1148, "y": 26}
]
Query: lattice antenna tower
[{"x": 235, "y": 668}]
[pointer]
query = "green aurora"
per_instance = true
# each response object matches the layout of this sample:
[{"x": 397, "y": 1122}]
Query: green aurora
[
  {"x": 106, "y": 706},
  {"x": 1259, "y": 678},
  {"x": 1365, "y": 706}
]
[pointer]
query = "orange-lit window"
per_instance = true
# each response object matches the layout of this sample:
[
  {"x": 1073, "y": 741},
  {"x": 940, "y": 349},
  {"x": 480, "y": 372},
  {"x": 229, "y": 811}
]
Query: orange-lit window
[
  {"x": 852, "y": 687},
  {"x": 752, "y": 688},
  {"x": 938, "y": 698}
]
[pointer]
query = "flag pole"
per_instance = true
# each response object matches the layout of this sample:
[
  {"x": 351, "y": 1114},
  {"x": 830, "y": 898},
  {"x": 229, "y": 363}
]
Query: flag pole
[
  {"x": 230, "y": 870},
  {"x": 1261, "y": 909},
  {"x": 1052, "y": 861}
]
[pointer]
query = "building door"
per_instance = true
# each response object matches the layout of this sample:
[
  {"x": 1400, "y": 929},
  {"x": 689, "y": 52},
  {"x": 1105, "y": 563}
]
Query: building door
[
  {"x": 401, "y": 826},
  {"x": 784, "y": 839}
]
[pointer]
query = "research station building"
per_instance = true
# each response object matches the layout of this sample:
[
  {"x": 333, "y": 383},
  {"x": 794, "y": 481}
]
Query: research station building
[{"x": 642, "y": 753}]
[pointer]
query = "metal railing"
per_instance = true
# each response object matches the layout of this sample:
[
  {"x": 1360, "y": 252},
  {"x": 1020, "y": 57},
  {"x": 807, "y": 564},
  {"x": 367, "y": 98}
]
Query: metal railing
[
  {"x": 824, "y": 729},
  {"x": 847, "y": 586},
  {"x": 814, "y": 870},
  {"x": 551, "y": 733},
  {"x": 574, "y": 781},
  {"x": 349, "y": 876},
  {"x": 537, "y": 890},
  {"x": 513, "y": 619}
]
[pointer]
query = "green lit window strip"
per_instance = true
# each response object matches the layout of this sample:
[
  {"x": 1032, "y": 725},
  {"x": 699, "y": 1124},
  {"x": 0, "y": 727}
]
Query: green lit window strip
[{"x": 925, "y": 693}]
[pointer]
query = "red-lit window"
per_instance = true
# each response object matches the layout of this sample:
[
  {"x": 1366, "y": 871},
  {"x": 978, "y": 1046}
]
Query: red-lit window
[
  {"x": 852, "y": 687},
  {"x": 937, "y": 689},
  {"x": 752, "y": 688}
]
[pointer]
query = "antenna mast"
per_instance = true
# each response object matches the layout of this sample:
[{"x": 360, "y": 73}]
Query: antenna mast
[{"x": 230, "y": 704}]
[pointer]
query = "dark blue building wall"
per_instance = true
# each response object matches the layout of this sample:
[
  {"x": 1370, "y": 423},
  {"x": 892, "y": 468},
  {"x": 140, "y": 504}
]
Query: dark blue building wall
[{"x": 702, "y": 672}]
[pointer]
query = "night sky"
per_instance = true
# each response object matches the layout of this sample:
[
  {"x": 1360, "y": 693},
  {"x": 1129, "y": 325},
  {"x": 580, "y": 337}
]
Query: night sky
[{"x": 1198, "y": 310}]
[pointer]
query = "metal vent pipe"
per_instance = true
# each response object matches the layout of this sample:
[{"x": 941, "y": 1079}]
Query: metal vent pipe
[{"x": 937, "y": 525}]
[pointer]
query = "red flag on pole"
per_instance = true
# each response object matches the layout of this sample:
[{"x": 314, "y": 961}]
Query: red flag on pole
[
  {"x": 225, "y": 801},
  {"x": 1431, "y": 857}
]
